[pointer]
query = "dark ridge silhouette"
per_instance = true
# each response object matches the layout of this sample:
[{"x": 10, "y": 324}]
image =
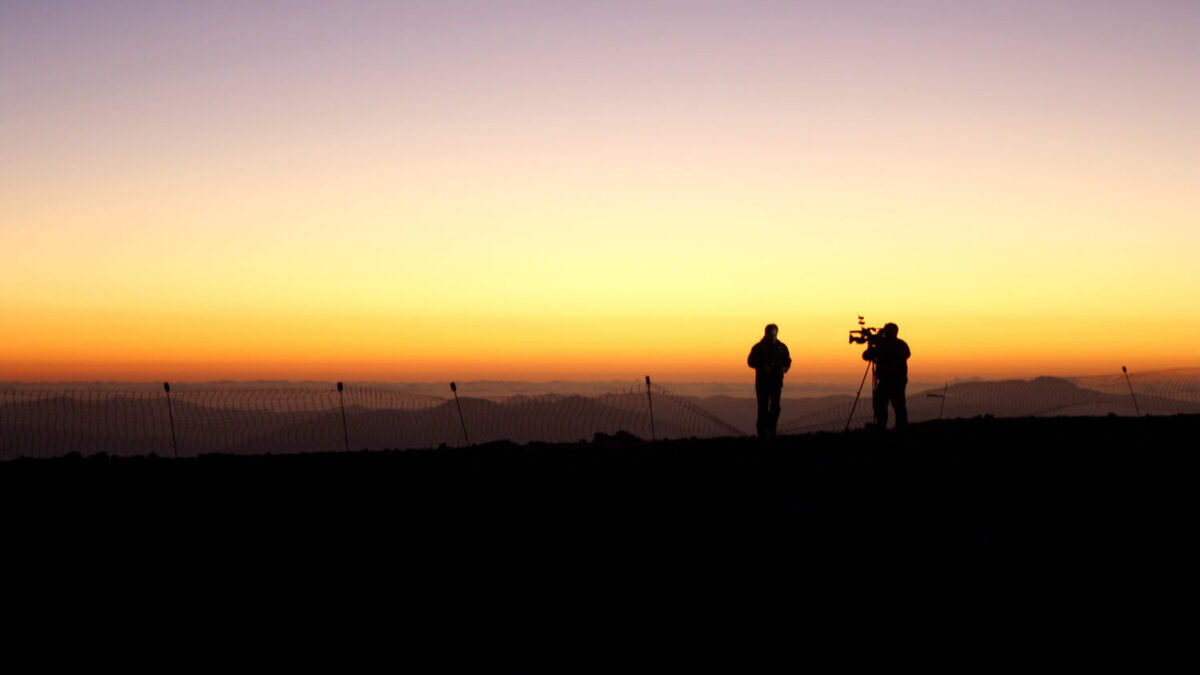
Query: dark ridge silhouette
[{"x": 1105, "y": 486}]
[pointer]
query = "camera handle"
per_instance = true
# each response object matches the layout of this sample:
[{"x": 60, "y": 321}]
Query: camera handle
[{"x": 870, "y": 367}]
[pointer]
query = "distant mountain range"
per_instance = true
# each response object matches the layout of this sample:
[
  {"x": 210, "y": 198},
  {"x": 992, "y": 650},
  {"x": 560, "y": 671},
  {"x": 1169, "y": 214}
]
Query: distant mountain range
[
  {"x": 44, "y": 423},
  {"x": 1043, "y": 396},
  {"x": 1174, "y": 381}
]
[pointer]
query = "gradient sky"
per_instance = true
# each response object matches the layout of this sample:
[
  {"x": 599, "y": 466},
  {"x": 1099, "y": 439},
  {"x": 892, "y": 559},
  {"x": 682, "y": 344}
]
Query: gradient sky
[{"x": 586, "y": 190}]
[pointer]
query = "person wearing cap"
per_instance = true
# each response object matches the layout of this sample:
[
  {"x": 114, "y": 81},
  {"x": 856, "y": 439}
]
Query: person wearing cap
[
  {"x": 890, "y": 355},
  {"x": 770, "y": 360}
]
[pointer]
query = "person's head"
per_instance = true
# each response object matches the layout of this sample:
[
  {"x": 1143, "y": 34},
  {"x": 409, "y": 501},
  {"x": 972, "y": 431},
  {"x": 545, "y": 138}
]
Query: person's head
[
  {"x": 891, "y": 330},
  {"x": 771, "y": 332}
]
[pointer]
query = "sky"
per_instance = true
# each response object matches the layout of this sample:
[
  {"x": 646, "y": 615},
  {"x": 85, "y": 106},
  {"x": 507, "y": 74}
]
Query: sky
[{"x": 535, "y": 190}]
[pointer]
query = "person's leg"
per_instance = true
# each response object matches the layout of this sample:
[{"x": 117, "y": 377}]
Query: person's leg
[
  {"x": 880, "y": 402},
  {"x": 901, "y": 406},
  {"x": 775, "y": 408},
  {"x": 764, "y": 396}
]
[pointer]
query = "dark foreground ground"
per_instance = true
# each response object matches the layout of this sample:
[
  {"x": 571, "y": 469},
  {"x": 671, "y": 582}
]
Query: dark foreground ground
[
  {"x": 985, "y": 534},
  {"x": 1108, "y": 487},
  {"x": 978, "y": 534}
]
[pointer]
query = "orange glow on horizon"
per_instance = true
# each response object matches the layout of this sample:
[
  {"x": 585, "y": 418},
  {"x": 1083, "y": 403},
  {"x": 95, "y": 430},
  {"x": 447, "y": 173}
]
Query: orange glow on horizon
[
  {"x": 674, "y": 349},
  {"x": 573, "y": 190}
]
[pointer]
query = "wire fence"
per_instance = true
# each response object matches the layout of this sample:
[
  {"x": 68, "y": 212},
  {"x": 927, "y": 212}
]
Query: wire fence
[
  {"x": 1164, "y": 394},
  {"x": 192, "y": 422},
  {"x": 272, "y": 421}
]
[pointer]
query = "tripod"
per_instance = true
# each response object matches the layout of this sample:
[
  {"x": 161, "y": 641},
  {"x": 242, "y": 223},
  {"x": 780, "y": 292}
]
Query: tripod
[{"x": 870, "y": 369}]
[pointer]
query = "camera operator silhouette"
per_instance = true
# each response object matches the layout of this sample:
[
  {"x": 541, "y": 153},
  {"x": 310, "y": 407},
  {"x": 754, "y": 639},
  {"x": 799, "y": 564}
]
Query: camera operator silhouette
[
  {"x": 890, "y": 355},
  {"x": 770, "y": 360}
]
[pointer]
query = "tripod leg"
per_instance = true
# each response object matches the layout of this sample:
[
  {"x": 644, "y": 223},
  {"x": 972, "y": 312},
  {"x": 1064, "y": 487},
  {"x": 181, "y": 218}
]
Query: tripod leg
[{"x": 859, "y": 394}]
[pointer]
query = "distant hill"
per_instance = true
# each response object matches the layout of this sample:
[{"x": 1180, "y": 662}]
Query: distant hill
[
  {"x": 46, "y": 424},
  {"x": 51, "y": 422},
  {"x": 1166, "y": 395},
  {"x": 1177, "y": 384}
]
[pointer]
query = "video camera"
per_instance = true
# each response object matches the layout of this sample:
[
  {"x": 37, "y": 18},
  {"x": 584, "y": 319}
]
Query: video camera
[{"x": 865, "y": 335}]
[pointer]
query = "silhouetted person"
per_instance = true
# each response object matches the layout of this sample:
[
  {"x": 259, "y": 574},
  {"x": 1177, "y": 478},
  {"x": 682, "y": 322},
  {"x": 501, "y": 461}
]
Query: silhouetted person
[
  {"x": 770, "y": 360},
  {"x": 890, "y": 355}
]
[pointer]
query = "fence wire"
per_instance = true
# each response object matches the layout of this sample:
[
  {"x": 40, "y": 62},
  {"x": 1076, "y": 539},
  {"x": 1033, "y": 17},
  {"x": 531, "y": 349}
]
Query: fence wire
[
  {"x": 1176, "y": 394},
  {"x": 272, "y": 421},
  {"x": 46, "y": 423}
]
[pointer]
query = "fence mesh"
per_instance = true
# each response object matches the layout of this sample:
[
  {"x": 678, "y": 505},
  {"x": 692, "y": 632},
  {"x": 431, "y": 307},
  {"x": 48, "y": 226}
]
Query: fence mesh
[
  {"x": 1163, "y": 394},
  {"x": 256, "y": 421},
  {"x": 43, "y": 423}
]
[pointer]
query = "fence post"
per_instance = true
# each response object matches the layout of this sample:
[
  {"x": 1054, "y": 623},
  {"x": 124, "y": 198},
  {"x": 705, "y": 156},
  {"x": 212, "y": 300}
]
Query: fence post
[
  {"x": 454, "y": 388},
  {"x": 1136, "y": 412},
  {"x": 171, "y": 417},
  {"x": 650, "y": 403},
  {"x": 345, "y": 429}
]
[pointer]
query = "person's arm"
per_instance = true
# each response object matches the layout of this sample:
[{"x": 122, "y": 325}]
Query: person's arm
[
  {"x": 752, "y": 360},
  {"x": 787, "y": 359}
]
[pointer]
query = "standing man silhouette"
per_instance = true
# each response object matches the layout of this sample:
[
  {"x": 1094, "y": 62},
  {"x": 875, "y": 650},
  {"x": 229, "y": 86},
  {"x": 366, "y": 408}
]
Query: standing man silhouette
[
  {"x": 890, "y": 355},
  {"x": 770, "y": 360}
]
